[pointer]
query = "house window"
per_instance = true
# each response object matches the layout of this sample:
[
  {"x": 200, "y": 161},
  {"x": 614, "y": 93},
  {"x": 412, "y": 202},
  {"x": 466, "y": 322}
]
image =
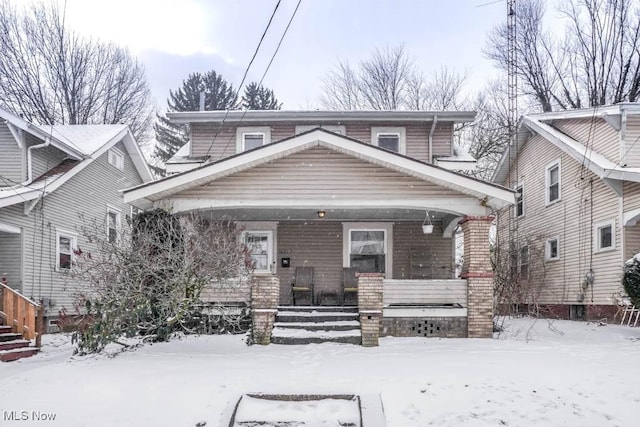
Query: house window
[
  {"x": 524, "y": 262},
  {"x": 367, "y": 250},
  {"x": 116, "y": 158},
  {"x": 65, "y": 245},
  {"x": 134, "y": 212},
  {"x": 249, "y": 138},
  {"x": 391, "y": 139},
  {"x": 331, "y": 128},
  {"x": 605, "y": 237},
  {"x": 519, "y": 207},
  {"x": 553, "y": 182},
  {"x": 113, "y": 224},
  {"x": 552, "y": 250},
  {"x": 260, "y": 245}
]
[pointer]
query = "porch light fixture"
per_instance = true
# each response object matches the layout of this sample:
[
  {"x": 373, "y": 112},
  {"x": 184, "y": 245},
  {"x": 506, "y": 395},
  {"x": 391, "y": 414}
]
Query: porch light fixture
[
  {"x": 321, "y": 214},
  {"x": 427, "y": 226}
]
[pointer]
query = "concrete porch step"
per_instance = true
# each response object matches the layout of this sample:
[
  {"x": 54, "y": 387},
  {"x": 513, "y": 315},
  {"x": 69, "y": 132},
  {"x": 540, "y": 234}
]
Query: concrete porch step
[
  {"x": 314, "y": 317},
  {"x": 342, "y": 325},
  {"x": 318, "y": 308},
  {"x": 17, "y": 353},
  {"x": 5, "y": 329},
  {"x": 303, "y": 336},
  {"x": 9, "y": 336}
]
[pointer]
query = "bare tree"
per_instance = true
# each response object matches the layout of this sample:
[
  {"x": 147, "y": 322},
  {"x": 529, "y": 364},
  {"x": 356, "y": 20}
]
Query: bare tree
[
  {"x": 51, "y": 75},
  {"x": 596, "y": 62},
  {"x": 441, "y": 92}
]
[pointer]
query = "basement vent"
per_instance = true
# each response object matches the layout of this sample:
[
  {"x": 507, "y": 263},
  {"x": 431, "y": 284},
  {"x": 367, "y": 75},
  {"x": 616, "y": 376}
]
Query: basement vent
[
  {"x": 427, "y": 328},
  {"x": 577, "y": 312}
]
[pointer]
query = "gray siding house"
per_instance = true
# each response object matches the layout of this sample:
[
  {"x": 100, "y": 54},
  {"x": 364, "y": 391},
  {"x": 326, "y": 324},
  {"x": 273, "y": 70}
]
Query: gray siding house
[
  {"x": 50, "y": 176},
  {"x": 340, "y": 189},
  {"x": 575, "y": 221}
]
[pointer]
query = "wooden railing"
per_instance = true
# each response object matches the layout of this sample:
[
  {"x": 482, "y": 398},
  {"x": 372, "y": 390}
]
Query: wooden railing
[{"x": 22, "y": 314}]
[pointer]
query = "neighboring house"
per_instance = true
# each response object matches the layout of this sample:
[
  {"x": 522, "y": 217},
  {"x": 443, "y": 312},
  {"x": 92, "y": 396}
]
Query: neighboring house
[
  {"x": 574, "y": 224},
  {"x": 339, "y": 189},
  {"x": 50, "y": 176}
]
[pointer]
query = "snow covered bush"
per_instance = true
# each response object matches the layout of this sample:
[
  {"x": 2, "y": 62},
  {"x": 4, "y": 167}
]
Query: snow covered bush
[
  {"x": 631, "y": 280},
  {"x": 147, "y": 282}
]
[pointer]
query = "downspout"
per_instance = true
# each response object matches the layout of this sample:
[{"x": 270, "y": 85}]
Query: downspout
[
  {"x": 433, "y": 128},
  {"x": 46, "y": 143}
]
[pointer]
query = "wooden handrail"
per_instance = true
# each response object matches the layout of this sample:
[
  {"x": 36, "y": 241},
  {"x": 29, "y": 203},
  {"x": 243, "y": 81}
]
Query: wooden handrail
[{"x": 21, "y": 313}]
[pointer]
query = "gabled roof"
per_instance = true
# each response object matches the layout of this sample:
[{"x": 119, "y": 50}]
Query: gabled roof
[
  {"x": 83, "y": 144},
  {"x": 495, "y": 195},
  {"x": 605, "y": 169}
]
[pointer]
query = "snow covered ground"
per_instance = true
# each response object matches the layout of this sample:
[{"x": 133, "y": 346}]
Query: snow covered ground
[{"x": 535, "y": 374}]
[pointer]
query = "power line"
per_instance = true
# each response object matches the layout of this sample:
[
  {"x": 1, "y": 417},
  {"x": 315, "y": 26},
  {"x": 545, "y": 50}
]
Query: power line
[
  {"x": 246, "y": 71},
  {"x": 293, "y": 15}
]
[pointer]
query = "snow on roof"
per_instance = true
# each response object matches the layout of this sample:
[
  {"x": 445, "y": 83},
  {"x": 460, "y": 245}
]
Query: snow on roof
[{"x": 86, "y": 139}]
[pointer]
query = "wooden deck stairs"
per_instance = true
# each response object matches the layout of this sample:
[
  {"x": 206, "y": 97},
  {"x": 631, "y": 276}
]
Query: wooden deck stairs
[
  {"x": 21, "y": 325},
  {"x": 314, "y": 325}
]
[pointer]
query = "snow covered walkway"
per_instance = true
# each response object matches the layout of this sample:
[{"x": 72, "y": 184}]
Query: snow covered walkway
[{"x": 572, "y": 374}]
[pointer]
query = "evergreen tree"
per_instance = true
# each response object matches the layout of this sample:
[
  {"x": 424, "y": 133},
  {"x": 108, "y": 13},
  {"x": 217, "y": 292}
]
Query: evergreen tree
[
  {"x": 259, "y": 98},
  {"x": 218, "y": 95}
]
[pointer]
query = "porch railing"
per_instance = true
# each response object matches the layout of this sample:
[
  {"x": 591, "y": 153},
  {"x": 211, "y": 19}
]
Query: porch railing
[
  {"x": 428, "y": 292},
  {"x": 22, "y": 314}
]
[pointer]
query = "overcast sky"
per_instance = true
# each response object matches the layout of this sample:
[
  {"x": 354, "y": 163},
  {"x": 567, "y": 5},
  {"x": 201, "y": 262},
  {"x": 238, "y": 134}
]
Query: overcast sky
[{"x": 176, "y": 37}]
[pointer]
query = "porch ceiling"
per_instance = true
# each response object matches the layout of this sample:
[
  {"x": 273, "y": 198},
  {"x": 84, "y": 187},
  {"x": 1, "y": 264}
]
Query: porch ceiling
[{"x": 275, "y": 214}]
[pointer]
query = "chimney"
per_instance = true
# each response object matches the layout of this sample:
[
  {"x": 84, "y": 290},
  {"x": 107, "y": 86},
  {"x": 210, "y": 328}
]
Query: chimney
[{"x": 202, "y": 101}]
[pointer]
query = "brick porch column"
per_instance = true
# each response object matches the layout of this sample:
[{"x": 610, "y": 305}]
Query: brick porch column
[
  {"x": 265, "y": 293},
  {"x": 370, "y": 307},
  {"x": 479, "y": 274}
]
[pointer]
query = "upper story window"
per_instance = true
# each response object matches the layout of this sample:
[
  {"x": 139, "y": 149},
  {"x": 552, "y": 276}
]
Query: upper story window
[
  {"x": 113, "y": 224},
  {"x": 552, "y": 182},
  {"x": 605, "y": 236},
  {"x": 66, "y": 243},
  {"x": 389, "y": 138},
  {"x": 519, "y": 206},
  {"x": 339, "y": 129},
  {"x": 248, "y": 138},
  {"x": 552, "y": 249},
  {"x": 116, "y": 158}
]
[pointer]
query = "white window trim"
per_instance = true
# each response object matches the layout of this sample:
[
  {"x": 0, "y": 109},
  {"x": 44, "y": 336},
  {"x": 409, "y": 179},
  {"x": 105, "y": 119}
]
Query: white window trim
[
  {"x": 402, "y": 134},
  {"x": 119, "y": 164},
  {"x": 547, "y": 183},
  {"x": 270, "y": 255},
  {"x": 331, "y": 128},
  {"x": 265, "y": 131},
  {"x": 118, "y": 212},
  {"x": 263, "y": 227},
  {"x": 73, "y": 237},
  {"x": 596, "y": 236},
  {"x": 547, "y": 249},
  {"x": 515, "y": 207},
  {"x": 387, "y": 227}
]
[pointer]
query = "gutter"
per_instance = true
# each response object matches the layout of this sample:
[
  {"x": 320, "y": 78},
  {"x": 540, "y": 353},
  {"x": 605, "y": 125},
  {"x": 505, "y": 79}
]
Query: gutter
[
  {"x": 45, "y": 144},
  {"x": 433, "y": 128}
]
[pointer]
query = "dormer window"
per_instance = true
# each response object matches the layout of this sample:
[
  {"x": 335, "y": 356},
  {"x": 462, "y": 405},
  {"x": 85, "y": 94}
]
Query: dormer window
[
  {"x": 391, "y": 139},
  {"x": 249, "y": 138}
]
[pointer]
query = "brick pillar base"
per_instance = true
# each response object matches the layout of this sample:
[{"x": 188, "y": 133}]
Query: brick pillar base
[
  {"x": 478, "y": 272},
  {"x": 370, "y": 307},
  {"x": 265, "y": 293}
]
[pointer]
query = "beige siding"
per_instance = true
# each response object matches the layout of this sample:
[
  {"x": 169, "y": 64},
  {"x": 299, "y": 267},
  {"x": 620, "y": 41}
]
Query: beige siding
[
  {"x": 316, "y": 244},
  {"x": 86, "y": 194},
  {"x": 631, "y": 145},
  {"x": 596, "y": 134},
  {"x": 202, "y": 135},
  {"x": 571, "y": 219},
  {"x": 420, "y": 256},
  {"x": 11, "y": 158},
  {"x": 631, "y": 241},
  {"x": 10, "y": 259},
  {"x": 318, "y": 173},
  {"x": 425, "y": 292},
  {"x": 631, "y": 191}
]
